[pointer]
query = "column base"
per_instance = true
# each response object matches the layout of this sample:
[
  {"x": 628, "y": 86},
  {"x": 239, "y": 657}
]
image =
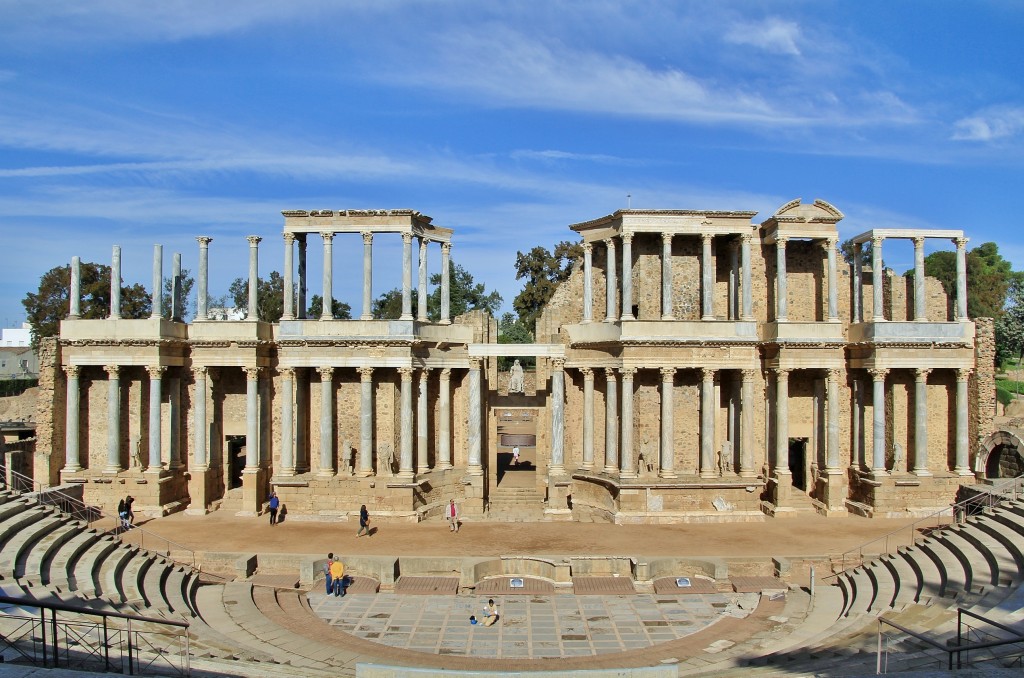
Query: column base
[
  {"x": 922, "y": 473},
  {"x": 668, "y": 317},
  {"x": 113, "y": 470},
  {"x": 405, "y": 476},
  {"x": 325, "y": 473},
  {"x": 708, "y": 474},
  {"x": 627, "y": 317},
  {"x": 474, "y": 470},
  {"x": 422, "y": 469},
  {"x": 963, "y": 471},
  {"x": 444, "y": 466},
  {"x": 878, "y": 473},
  {"x": 627, "y": 475},
  {"x": 365, "y": 473},
  {"x": 610, "y": 470},
  {"x": 446, "y": 321},
  {"x": 405, "y": 316},
  {"x": 747, "y": 474},
  {"x": 558, "y": 470},
  {"x": 668, "y": 475}
]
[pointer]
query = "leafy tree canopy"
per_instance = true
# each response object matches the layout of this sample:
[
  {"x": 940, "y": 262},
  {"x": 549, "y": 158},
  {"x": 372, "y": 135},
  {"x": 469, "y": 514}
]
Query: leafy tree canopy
[
  {"x": 464, "y": 295},
  {"x": 1010, "y": 326},
  {"x": 187, "y": 303},
  {"x": 269, "y": 297},
  {"x": 340, "y": 310},
  {"x": 542, "y": 270},
  {"x": 50, "y": 304},
  {"x": 847, "y": 249},
  {"x": 512, "y": 330},
  {"x": 989, "y": 277}
]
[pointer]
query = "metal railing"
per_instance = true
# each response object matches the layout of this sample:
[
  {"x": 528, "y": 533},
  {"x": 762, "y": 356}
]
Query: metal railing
[
  {"x": 93, "y": 516},
  {"x": 957, "y": 652},
  {"x": 92, "y": 639},
  {"x": 909, "y": 535}
]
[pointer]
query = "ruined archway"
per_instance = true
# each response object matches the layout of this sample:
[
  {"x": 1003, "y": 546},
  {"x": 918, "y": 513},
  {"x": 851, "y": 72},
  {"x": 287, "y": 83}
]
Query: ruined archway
[{"x": 1001, "y": 455}]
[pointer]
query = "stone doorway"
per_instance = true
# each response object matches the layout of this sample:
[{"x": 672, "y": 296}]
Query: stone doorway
[
  {"x": 517, "y": 429},
  {"x": 235, "y": 446},
  {"x": 1004, "y": 462},
  {"x": 798, "y": 462}
]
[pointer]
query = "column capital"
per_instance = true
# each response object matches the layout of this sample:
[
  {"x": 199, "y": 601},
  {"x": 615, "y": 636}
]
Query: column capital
[
  {"x": 407, "y": 238},
  {"x": 113, "y": 371},
  {"x": 833, "y": 374},
  {"x": 668, "y": 373},
  {"x": 446, "y": 248},
  {"x": 446, "y": 373},
  {"x": 289, "y": 238},
  {"x": 367, "y": 237},
  {"x": 423, "y": 242},
  {"x": 876, "y": 241},
  {"x": 627, "y": 238},
  {"x": 666, "y": 238},
  {"x": 406, "y": 373},
  {"x": 960, "y": 243},
  {"x": 287, "y": 372},
  {"x": 609, "y": 373},
  {"x": 782, "y": 373},
  {"x": 155, "y": 371},
  {"x": 252, "y": 373},
  {"x": 72, "y": 371},
  {"x": 921, "y": 373},
  {"x": 588, "y": 247},
  {"x": 475, "y": 363},
  {"x": 587, "y": 372},
  {"x": 200, "y": 371},
  {"x": 204, "y": 240},
  {"x": 748, "y": 374},
  {"x": 781, "y": 241},
  {"x": 878, "y": 373},
  {"x": 746, "y": 238},
  {"x": 425, "y": 372},
  {"x": 365, "y": 373},
  {"x": 328, "y": 237},
  {"x": 706, "y": 238},
  {"x": 254, "y": 240},
  {"x": 558, "y": 364},
  {"x": 707, "y": 374},
  {"x": 610, "y": 243},
  {"x": 964, "y": 373},
  {"x": 325, "y": 371},
  {"x": 828, "y": 244}
]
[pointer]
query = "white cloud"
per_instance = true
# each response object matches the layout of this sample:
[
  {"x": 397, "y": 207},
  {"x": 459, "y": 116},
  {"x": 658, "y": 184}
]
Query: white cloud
[
  {"x": 773, "y": 34},
  {"x": 990, "y": 124}
]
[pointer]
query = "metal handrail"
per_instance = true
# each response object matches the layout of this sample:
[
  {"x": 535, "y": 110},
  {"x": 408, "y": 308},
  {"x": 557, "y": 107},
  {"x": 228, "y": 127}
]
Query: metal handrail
[
  {"x": 991, "y": 497},
  {"x": 950, "y": 649},
  {"x": 91, "y": 514}
]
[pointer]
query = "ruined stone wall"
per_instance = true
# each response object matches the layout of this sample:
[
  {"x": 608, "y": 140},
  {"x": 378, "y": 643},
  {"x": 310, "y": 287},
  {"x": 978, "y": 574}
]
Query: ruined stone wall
[
  {"x": 982, "y": 387},
  {"x": 51, "y": 407}
]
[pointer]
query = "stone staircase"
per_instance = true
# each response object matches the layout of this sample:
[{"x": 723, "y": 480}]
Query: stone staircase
[{"x": 515, "y": 504}]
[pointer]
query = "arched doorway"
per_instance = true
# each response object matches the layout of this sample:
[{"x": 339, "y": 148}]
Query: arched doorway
[{"x": 1001, "y": 455}]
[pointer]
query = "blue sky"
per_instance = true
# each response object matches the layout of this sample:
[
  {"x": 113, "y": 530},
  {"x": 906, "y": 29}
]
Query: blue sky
[{"x": 134, "y": 123}]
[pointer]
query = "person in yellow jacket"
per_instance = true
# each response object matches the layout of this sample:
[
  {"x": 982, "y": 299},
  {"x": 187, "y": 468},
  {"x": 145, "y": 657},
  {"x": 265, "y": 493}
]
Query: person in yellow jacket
[{"x": 338, "y": 576}]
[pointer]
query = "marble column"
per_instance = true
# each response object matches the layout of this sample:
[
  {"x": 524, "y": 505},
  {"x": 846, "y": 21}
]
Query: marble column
[
  {"x": 747, "y": 406},
  {"x": 365, "y": 421},
  {"x": 832, "y": 460},
  {"x": 833, "y": 279},
  {"x": 287, "y": 421},
  {"x": 367, "y": 276},
  {"x": 782, "y": 421},
  {"x": 707, "y": 275},
  {"x": 406, "y": 276},
  {"x": 254, "y": 276},
  {"x": 746, "y": 285},
  {"x": 289, "y": 277},
  {"x": 666, "y": 276},
  {"x": 961, "y": 278},
  {"x": 113, "y": 418},
  {"x": 611, "y": 422},
  {"x": 878, "y": 420},
  {"x": 858, "y": 284},
  {"x": 444, "y": 426},
  {"x": 921, "y": 422},
  {"x": 627, "y": 276},
  {"x": 115, "y": 284},
  {"x": 588, "y": 282},
  {"x": 557, "y": 467},
  {"x": 75, "y": 311},
  {"x": 174, "y": 406},
  {"x": 610, "y": 285},
  {"x": 156, "y": 373},
  {"x": 588, "y": 418},
  {"x": 781, "y": 286},
  {"x": 200, "y": 426},
  {"x": 708, "y": 468},
  {"x": 203, "y": 293},
  {"x": 446, "y": 285},
  {"x": 627, "y": 463},
  {"x": 158, "y": 282},
  {"x": 327, "y": 308},
  {"x": 920, "y": 308},
  {"x": 405, "y": 469},
  {"x": 301, "y": 311},
  {"x": 422, "y": 461},
  {"x": 963, "y": 466},
  {"x": 176, "y": 305},
  {"x": 734, "y": 283},
  {"x": 326, "y": 421},
  {"x": 877, "y": 281},
  {"x": 421, "y": 287},
  {"x": 252, "y": 417},
  {"x": 666, "y": 467},
  {"x": 474, "y": 467},
  {"x": 72, "y": 464}
]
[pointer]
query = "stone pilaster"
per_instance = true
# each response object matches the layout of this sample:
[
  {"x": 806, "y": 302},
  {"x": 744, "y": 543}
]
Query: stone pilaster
[
  {"x": 365, "y": 421},
  {"x": 611, "y": 419},
  {"x": 405, "y": 469},
  {"x": 113, "y": 419},
  {"x": 326, "y": 469},
  {"x": 588, "y": 418},
  {"x": 666, "y": 465},
  {"x": 707, "y": 423}
]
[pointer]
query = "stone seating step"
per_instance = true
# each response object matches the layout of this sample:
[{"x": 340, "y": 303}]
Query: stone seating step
[
  {"x": 884, "y": 586},
  {"x": 112, "y": 573},
  {"x": 1001, "y": 562},
  {"x": 13, "y": 507},
  {"x": 81, "y": 571},
  {"x": 985, "y": 525},
  {"x": 223, "y": 634},
  {"x": 57, "y": 570},
  {"x": 19, "y": 545},
  {"x": 979, "y": 565},
  {"x": 863, "y": 592},
  {"x": 17, "y": 521},
  {"x": 905, "y": 578},
  {"x": 31, "y": 566},
  {"x": 929, "y": 579},
  {"x": 298, "y": 631},
  {"x": 826, "y": 610},
  {"x": 1009, "y": 519},
  {"x": 951, "y": 571}
]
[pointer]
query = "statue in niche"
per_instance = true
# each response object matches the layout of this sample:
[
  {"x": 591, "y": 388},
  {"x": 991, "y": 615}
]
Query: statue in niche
[
  {"x": 386, "y": 455},
  {"x": 725, "y": 458},
  {"x": 136, "y": 452},
  {"x": 346, "y": 457},
  {"x": 645, "y": 459},
  {"x": 898, "y": 457},
  {"x": 515, "y": 378}
]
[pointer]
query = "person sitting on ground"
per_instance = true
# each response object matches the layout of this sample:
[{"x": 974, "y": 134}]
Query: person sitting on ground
[
  {"x": 490, "y": 609},
  {"x": 472, "y": 619}
]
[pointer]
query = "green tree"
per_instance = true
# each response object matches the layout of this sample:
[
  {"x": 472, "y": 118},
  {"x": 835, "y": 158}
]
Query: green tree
[
  {"x": 846, "y": 248},
  {"x": 269, "y": 297},
  {"x": 512, "y": 330},
  {"x": 1010, "y": 326},
  {"x": 50, "y": 304},
  {"x": 187, "y": 303},
  {"x": 989, "y": 277},
  {"x": 388, "y": 306},
  {"x": 465, "y": 294},
  {"x": 543, "y": 270},
  {"x": 339, "y": 309}
]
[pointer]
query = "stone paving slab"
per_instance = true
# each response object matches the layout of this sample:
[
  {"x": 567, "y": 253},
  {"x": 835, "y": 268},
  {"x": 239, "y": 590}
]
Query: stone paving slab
[
  {"x": 601, "y": 586},
  {"x": 667, "y": 585}
]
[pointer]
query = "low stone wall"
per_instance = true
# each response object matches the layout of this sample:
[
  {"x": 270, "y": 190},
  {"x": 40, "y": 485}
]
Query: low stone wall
[{"x": 596, "y": 499}]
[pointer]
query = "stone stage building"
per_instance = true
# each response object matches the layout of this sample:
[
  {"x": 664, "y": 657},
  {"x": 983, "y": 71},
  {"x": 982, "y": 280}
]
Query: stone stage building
[{"x": 695, "y": 366}]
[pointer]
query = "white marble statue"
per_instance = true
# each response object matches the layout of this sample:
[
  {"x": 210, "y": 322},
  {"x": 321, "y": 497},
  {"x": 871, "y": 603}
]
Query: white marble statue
[
  {"x": 136, "y": 453},
  {"x": 386, "y": 455},
  {"x": 898, "y": 457},
  {"x": 725, "y": 458},
  {"x": 515, "y": 378}
]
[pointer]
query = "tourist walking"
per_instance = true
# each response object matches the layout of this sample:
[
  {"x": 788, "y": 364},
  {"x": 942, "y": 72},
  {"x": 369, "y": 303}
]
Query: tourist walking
[
  {"x": 338, "y": 577},
  {"x": 515, "y": 456},
  {"x": 275, "y": 503},
  {"x": 327, "y": 573},
  {"x": 451, "y": 514},
  {"x": 364, "y": 522},
  {"x": 122, "y": 515},
  {"x": 129, "y": 514}
]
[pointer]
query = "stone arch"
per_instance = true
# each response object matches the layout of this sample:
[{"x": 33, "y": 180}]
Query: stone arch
[{"x": 1001, "y": 451}]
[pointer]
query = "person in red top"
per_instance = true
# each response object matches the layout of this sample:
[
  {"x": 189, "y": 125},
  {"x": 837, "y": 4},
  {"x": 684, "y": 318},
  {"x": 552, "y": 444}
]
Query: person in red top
[{"x": 451, "y": 514}]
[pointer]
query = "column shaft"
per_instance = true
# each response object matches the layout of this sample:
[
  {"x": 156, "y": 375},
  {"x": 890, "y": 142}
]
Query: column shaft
[
  {"x": 113, "y": 419},
  {"x": 326, "y": 421},
  {"x": 327, "y": 308},
  {"x": 747, "y": 424},
  {"x": 781, "y": 286},
  {"x": 115, "y": 284},
  {"x": 782, "y": 421},
  {"x": 832, "y": 458},
  {"x": 611, "y": 422},
  {"x": 252, "y": 418},
  {"x": 962, "y": 467},
  {"x": 176, "y": 301},
  {"x": 421, "y": 288},
  {"x": 877, "y": 281},
  {"x": 474, "y": 467},
  {"x": 878, "y": 420},
  {"x": 707, "y": 279},
  {"x": 72, "y": 433},
  {"x": 200, "y": 426},
  {"x": 174, "y": 405},
  {"x": 666, "y": 466},
  {"x": 833, "y": 280},
  {"x": 287, "y": 421},
  {"x": 707, "y": 424},
  {"x": 588, "y": 282},
  {"x": 858, "y": 284},
  {"x": 422, "y": 462},
  {"x": 921, "y": 422},
  {"x": 666, "y": 276},
  {"x": 367, "y": 276},
  {"x": 746, "y": 285},
  {"x": 961, "y": 278},
  {"x": 289, "y": 277},
  {"x": 627, "y": 463},
  {"x": 158, "y": 281},
  {"x": 446, "y": 286},
  {"x": 557, "y": 466},
  {"x": 588, "y": 418},
  {"x": 155, "y": 397},
  {"x": 75, "y": 294},
  {"x": 405, "y": 468},
  {"x": 366, "y": 421},
  {"x": 610, "y": 285},
  {"x": 734, "y": 282},
  {"x": 254, "y": 277},
  {"x": 203, "y": 292},
  {"x": 301, "y": 311},
  {"x": 920, "y": 309},
  {"x": 444, "y": 426},
  {"x": 406, "y": 276},
  {"x": 627, "y": 277}
]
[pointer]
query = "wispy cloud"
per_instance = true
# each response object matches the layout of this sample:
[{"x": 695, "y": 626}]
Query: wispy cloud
[
  {"x": 772, "y": 34},
  {"x": 990, "y": 124}
]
